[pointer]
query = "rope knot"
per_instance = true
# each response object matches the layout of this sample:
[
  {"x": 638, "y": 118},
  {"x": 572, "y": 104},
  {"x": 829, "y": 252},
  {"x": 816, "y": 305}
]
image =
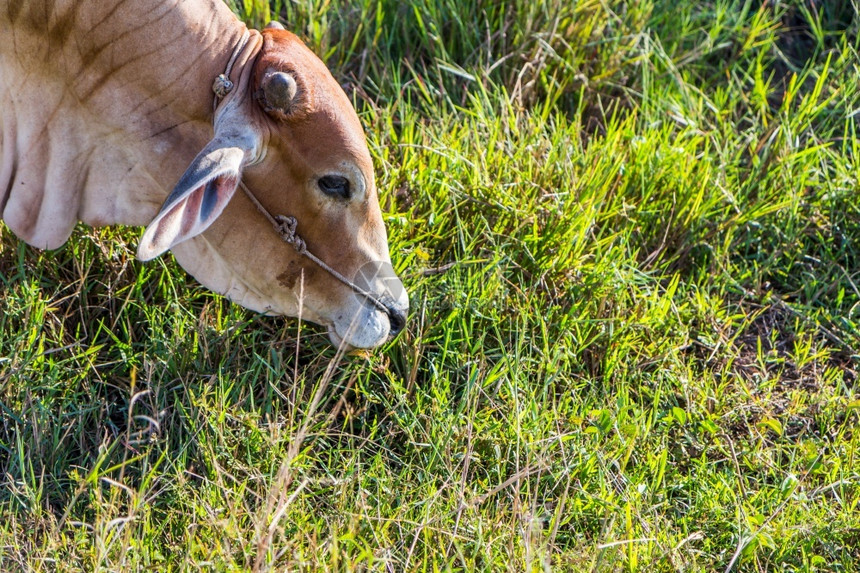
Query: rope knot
[
  {"x": 222, "y": 86},
  {"x": 285, "y": 226}
]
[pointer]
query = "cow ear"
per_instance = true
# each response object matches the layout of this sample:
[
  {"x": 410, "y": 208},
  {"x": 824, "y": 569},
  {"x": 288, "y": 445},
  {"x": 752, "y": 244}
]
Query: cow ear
[{"x": 197, "y": 200}]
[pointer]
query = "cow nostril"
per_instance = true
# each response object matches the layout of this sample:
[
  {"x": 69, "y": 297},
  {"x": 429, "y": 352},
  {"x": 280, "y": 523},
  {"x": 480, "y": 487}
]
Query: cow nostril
[{"x": 397, "y": 319}]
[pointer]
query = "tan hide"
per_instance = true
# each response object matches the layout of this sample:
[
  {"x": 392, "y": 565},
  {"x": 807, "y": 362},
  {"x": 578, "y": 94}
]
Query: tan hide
[{"x": 106, "y": 116}]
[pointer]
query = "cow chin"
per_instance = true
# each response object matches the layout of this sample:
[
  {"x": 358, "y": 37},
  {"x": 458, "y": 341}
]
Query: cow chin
[{"x": 355, "y": 323}]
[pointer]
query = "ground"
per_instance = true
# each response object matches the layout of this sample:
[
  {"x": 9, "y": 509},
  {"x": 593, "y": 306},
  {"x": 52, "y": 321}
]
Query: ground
[{"x": 630, "y": 235}]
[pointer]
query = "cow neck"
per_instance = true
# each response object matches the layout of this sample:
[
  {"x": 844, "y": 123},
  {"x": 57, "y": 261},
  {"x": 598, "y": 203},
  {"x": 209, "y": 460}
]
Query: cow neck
[{"x": 107, "y": 107}]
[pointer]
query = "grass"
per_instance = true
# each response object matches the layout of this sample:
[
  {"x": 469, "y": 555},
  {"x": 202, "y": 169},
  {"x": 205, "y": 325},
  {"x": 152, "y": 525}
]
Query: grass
[{"x": 630, "y": 235}]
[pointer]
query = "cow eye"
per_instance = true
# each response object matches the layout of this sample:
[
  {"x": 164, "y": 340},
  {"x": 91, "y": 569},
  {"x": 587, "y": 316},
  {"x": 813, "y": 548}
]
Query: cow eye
[{"x": 334, "y": 186}]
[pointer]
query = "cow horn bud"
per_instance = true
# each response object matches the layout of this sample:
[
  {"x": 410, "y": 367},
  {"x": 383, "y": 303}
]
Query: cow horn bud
[{"x": 279, "y": 91}]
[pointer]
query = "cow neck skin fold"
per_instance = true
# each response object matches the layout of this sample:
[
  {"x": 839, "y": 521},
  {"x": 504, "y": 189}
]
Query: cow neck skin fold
[{"x": 89, "y": 129}]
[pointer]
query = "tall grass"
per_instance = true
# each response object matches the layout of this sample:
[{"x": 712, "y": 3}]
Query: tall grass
[{"x": 629, "y": 232}]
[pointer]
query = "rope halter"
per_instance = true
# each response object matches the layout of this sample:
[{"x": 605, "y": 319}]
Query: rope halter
[{"x": 284, "y": 225}]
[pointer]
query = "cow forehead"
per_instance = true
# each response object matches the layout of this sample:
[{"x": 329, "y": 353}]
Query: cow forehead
[{"x": 323, "y": 126}]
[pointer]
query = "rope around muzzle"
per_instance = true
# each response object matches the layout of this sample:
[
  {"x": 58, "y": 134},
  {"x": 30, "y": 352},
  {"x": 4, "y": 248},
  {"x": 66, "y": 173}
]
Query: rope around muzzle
[{"x": 284, "y": 225}]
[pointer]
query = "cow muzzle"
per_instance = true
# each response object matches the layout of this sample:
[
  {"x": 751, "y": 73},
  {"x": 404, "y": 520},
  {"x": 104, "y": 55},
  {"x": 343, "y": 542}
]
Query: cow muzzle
[{"x": 365, "y": 323}]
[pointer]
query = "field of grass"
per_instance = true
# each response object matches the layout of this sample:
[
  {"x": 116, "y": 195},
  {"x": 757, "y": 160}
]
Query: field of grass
[{"x": 631, "y": 236}]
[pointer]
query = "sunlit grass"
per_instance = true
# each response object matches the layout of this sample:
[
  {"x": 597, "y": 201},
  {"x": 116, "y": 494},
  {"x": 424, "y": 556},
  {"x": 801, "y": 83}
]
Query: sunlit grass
[{"x": 629, "y": 233}]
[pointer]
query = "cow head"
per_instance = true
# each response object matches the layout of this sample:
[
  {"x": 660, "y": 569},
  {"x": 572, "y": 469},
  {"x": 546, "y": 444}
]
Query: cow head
[{"x": 290, "y": 133}]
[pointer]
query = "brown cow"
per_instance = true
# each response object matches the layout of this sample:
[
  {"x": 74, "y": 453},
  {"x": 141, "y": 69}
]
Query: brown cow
[{"x": 104, "y": 106}]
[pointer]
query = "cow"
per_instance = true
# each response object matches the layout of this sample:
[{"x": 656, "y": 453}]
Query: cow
[{"x": 108, "y": 116}]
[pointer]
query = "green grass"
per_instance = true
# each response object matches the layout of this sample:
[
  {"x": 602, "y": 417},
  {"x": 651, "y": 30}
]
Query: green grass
[{"x": 643, "y": 358}]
